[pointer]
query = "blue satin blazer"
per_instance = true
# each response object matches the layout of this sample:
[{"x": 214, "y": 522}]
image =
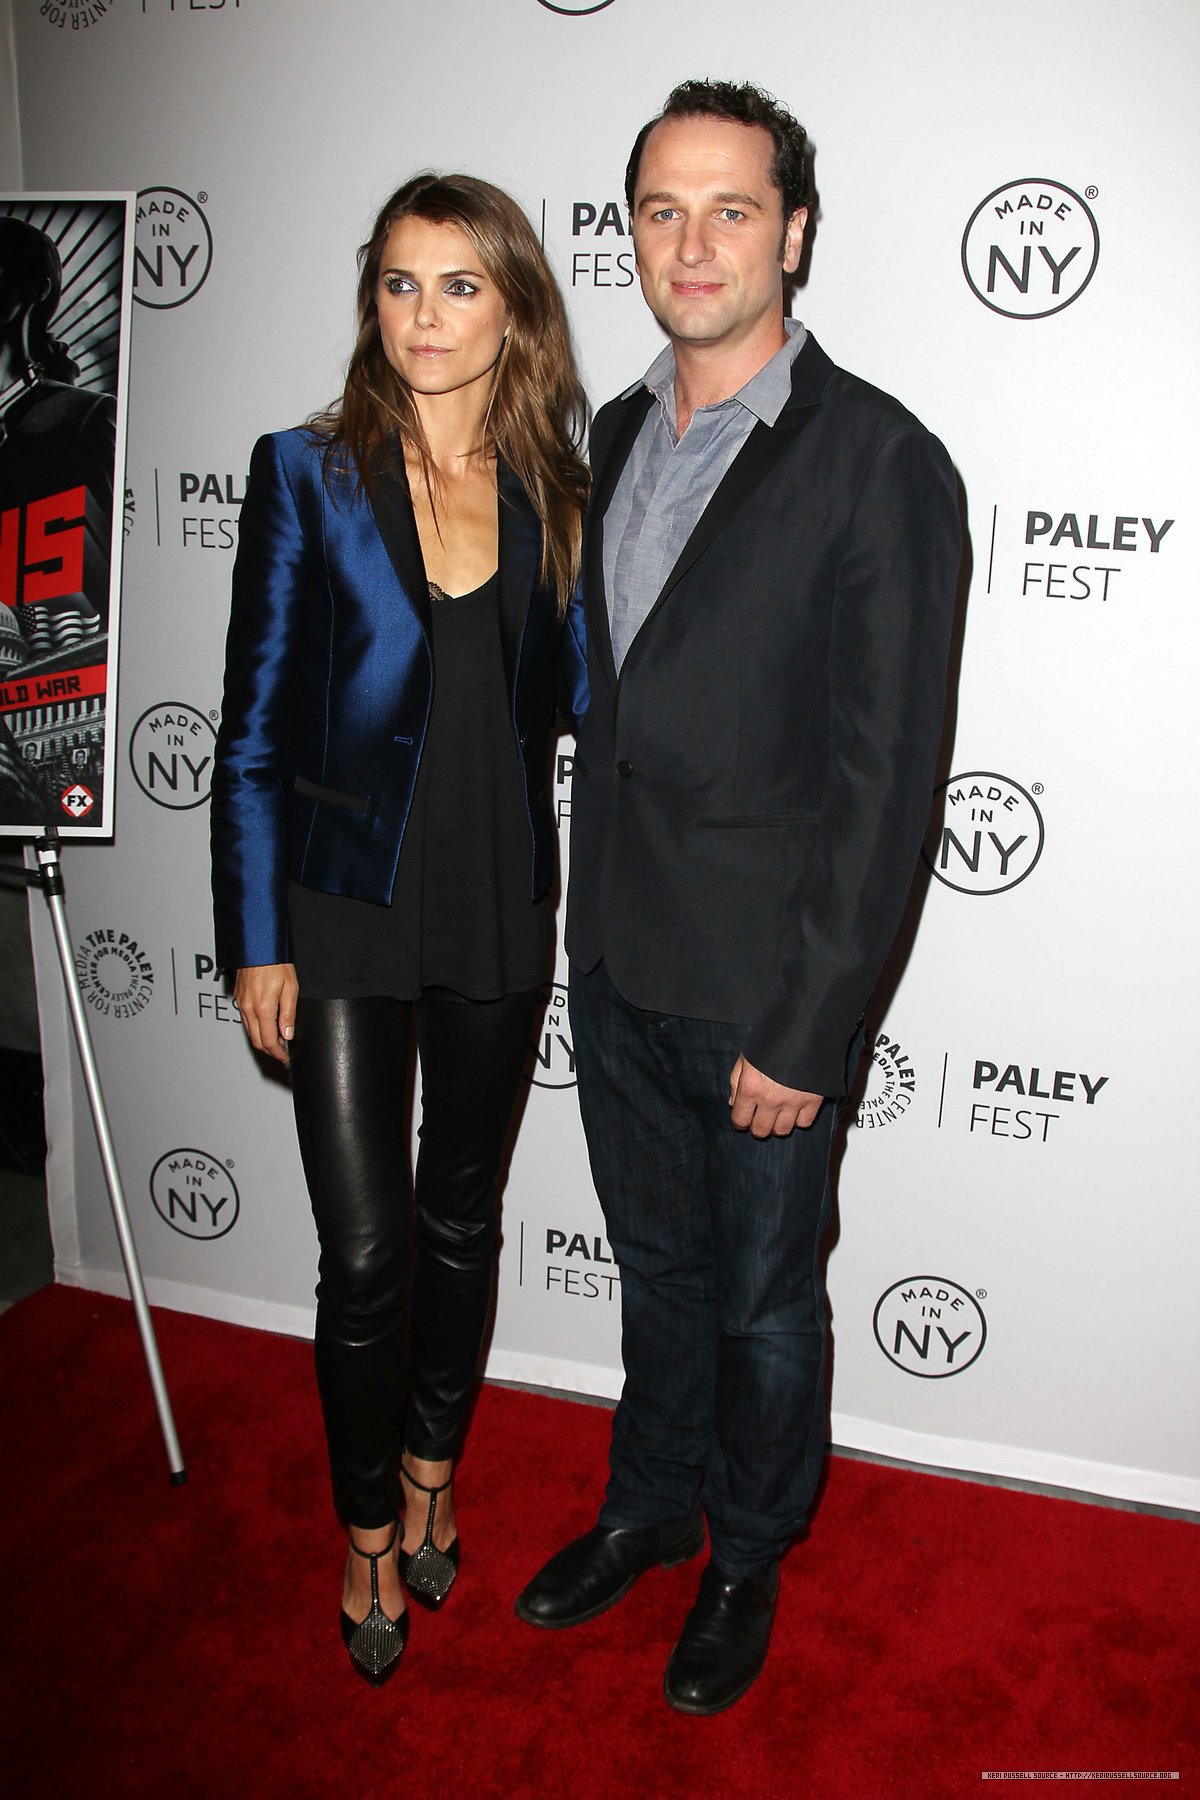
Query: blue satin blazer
[{"x": 329, "y": 685}]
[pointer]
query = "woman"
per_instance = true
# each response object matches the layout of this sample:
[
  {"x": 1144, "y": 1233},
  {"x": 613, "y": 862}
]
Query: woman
[{"x": 383, "y": 846}]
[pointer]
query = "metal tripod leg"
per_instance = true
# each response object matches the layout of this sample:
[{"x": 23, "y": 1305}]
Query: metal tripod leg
[{"x": 51, "y": 885}]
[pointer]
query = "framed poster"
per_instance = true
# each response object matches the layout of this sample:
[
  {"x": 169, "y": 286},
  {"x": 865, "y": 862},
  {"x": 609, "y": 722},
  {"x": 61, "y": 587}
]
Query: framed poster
[{"x": 66, "y": 289}]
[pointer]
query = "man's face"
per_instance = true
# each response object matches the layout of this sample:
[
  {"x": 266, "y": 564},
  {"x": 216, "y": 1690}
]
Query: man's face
[{"x": 707, "y": 227}]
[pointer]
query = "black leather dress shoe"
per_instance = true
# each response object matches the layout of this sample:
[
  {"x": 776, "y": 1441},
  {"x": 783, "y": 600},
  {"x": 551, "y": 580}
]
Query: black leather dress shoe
[
  {"x": 724, "y": 1640},
  {"x": 596, "y": 1570}
]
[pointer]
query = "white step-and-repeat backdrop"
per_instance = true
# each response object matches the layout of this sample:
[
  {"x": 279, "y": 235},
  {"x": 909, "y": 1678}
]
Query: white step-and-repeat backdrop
[{"x": 1003, "y": 242}]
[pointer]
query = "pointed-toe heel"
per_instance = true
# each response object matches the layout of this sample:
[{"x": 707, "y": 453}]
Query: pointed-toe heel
[
  {"x": 427, "y": 1572},
  {"x": 375, "y": 1643}
]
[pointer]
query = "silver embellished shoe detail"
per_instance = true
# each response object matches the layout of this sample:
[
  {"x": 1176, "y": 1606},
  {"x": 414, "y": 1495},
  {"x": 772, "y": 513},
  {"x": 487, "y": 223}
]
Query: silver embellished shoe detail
[
  {"x": 375, "y": 1643},
  {"x": 428, "y": 1573}
]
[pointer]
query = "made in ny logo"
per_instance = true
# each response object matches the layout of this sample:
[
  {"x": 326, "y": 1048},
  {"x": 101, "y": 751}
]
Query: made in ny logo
[
  {"x": 554, "y": 1048},
  {"x": 172, "y": 247},
  {"x": 986, "y": 834},
  {"x": 171, "y": 755},
  {"x": 195, "y": 1194},
  {"x": 930, "y": 1327},
  {"x": 1031, "y": 248}
]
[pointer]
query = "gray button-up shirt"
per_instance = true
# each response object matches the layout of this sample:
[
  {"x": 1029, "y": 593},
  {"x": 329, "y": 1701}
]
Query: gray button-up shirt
[{"x": 669, "y": 480}]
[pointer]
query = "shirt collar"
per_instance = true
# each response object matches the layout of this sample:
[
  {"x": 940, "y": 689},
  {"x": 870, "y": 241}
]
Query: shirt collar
[{"x": 765, "y": 394}]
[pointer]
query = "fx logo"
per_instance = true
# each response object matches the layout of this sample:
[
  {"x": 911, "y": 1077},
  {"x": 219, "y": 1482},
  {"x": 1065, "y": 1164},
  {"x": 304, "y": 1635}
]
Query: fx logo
[{"x": 78, "y": 801}]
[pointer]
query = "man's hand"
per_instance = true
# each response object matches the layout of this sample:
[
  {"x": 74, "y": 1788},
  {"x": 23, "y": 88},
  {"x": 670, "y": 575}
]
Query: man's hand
[
  {"x": 266, "y": 998},
  {"x": 767, "y": 1108}
]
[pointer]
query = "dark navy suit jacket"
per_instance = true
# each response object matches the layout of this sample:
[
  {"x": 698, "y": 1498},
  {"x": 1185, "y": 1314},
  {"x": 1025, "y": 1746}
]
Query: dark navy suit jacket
[
  {"x": 329, "y": 684},
  {"x": 750, "y": 793}
]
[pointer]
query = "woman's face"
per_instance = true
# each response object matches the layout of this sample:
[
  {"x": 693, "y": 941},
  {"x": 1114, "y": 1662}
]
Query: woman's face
[{"x": 441, "y": 318}]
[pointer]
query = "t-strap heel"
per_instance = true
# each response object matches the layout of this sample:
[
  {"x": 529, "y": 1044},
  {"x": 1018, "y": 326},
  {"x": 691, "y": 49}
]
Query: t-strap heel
[
  {"x": 375, "y": 1643},
  {"x": 428, "y": 1573}
]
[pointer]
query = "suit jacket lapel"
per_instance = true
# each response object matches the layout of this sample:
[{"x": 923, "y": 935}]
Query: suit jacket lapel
[
  {"x": 604, "y": 481},
  {"x": 749, "y": 468},
  {"x": 391, "y": 503},
  {"x": 756, "y": 458},
  {"x": 520, "y": 552},
  {"x": 754, "y": 462},
  {"x": 519, "y": 547}
]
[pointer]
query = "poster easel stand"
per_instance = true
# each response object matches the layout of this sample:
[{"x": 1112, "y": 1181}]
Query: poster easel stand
[{"x": 48, "y": 876}]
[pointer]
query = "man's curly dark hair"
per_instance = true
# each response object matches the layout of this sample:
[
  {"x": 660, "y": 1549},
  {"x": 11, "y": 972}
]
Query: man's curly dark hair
[{"x": 744, "y": 104}]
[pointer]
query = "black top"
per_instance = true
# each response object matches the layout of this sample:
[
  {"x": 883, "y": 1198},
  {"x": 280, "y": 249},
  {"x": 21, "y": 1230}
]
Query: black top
[{"x": 461, "y": 916}]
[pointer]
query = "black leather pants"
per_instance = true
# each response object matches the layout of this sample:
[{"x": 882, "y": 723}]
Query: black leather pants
[{"x": 349, "y": 1059}]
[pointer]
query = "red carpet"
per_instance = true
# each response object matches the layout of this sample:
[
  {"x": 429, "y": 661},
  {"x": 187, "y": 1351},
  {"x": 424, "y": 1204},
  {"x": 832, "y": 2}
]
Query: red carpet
[{"x": 183, "y": 1641}]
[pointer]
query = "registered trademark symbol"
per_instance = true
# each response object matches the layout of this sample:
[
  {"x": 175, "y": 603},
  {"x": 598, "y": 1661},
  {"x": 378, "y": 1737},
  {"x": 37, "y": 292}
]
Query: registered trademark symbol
[
  {"x": 1037, "y": 786},
  {"x": 1091, "y": 192},
  {"x": 229, "y": 1162},
  {"x": 202, "y": 197},
  {"x": 981, "y": 1293},
  {"x": 214, "y": 714}
]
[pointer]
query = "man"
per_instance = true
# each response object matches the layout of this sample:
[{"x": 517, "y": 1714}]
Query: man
[{"x": 770, "y": 567}]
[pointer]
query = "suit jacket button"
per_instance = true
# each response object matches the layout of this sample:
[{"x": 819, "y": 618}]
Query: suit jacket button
[{"x": 624, "y": 770}]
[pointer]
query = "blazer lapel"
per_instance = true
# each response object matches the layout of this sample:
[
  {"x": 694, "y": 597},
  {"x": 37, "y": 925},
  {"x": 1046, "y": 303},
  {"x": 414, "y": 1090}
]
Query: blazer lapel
[
  {"x": 752, "y": 464},
  {"x": 520, "y": 552},
  {"x": 604, "y": 482},
  {"x": 519, "y": 547},
  {"x": 391, "y": 503},
  {"x": 754, "y": 461}
]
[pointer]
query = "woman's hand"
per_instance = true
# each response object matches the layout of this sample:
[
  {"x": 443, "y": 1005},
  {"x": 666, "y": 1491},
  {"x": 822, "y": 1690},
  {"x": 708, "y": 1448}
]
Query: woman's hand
[{"x": 266, "y": 998}]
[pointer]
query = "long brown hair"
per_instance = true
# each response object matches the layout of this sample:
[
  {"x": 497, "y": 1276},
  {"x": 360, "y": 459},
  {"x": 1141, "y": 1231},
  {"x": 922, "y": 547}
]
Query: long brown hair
[{"x": 537, "y": 412}]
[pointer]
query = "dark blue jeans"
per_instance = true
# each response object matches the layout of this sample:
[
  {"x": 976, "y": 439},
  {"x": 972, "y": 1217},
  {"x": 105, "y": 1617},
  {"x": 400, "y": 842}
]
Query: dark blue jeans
[{"x": 723, "y": 1313}]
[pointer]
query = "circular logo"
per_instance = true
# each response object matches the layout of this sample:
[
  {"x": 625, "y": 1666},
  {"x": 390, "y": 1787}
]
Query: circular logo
[
  {"x": 1030, "y": 249},
  {"x": 930, "y": 1327},
  {"x": 116, "y": 977},
  {"x": 171, "y": 755},
  {"x": 172, "y": 248},
  {"x": 891, "y": 1085},
  {"x": 74, "y": 15},
  {"x": 553, "y": 1064},
  {"x": 575, "y": 8},
  {"x": 985, "y": 836},
  {"x": 194, "y": 1194}
]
